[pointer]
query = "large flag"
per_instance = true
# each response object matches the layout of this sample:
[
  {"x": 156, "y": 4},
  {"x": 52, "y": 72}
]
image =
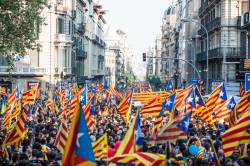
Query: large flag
[
  {"x": 78, "y": 149},
  {"x": 18, "y": 132},
  {"x": 29, "y": 97},
  {"x": 170, "y": 132},
  {"x": 128, "y": 144},
  {"x": 181, "y": 98},
  {"x": 139, "y": 159},
  {"x": 211, "y": 104},
  {"x": 224, "y": 111},
  {"x": 125, "y": 106},
  {"x": 200, "y": 104},
  {"x": 90, "y": 119},
  {"x": 8, "y": 112},
  {"x": 100, "y": 148},
  {"x": 243, "y": 105},
  {"x": 239, "y": 134},
  {"x": 168, "y": 105},
  {"x": 190, "y": 102},
  {"x": 84, "y": 96},
  {"x": 112, "y": 91},
  {"x": 152, "y": 110},
  {"x": 220, "y": 102},
  {"x": 73, "y": 106},
  {"x": 62, "y": 136}
]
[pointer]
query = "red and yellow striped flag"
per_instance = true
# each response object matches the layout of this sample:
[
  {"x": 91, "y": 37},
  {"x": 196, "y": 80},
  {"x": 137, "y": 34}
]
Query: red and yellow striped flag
[
  {"x": 152, "y": 110},
  {"x": 62, "y": 135},
  {"x": 8, "y": 112},
  {"x": 90, "y": 119},
  {"x": 140, "y": 159},
  {"x": 124, "y": 108},
  {"x": 18, "y": 132},
  {"x": 242, "y": 91},
  {"x": 170, "y": 132},
  {"x": 211, "y": 104},
  {"x": 239, "y": 134},
  {"x": 100, "y": 148},
  {"x": 29, "y": 97},
  {"x": 243, "y": 105}
]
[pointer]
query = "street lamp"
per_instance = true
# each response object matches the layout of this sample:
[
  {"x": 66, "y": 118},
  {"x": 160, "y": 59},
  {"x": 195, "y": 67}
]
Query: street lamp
[{"x": 190, "y": 20}]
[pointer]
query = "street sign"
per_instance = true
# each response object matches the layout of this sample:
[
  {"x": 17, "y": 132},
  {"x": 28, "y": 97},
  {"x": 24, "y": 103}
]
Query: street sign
[
  {"x": 232, "y": 88},
  {"x": 247, "y": 81}
]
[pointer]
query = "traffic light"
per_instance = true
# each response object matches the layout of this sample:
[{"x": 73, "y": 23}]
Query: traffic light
[
  {"x": 247, "y": 63},
  {"x": 144, "y": 57}
]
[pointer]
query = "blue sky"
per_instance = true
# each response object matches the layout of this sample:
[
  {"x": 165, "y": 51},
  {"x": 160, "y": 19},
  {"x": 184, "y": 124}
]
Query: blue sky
[{"x": 140, "y": 19}]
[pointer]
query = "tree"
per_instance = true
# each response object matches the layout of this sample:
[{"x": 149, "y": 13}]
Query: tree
[
  {"x": 19, "y": 21},
  {"x": 155, "y": 81}
]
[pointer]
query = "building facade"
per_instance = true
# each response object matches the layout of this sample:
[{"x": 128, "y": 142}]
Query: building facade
[
  {"x": 118, "y": 56},
  {"x": 158, "y": 60},
  {"x": 245, "y": 25},
  {"x": 226, "y": 47},
  {"x": 71, "y": 47},
  {"x": 150, "y": 63},
  {"x": 168, "y": 43}
]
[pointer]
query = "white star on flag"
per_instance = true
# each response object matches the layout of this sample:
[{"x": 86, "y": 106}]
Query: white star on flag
[
  {"x": 221, "y": 94},
  {"x": 79, "y": 135},
  {"x": 168, "y": 103},
  {"x": 81, "y": 99},
  {"x": 170, "y": 86},
  {"x": 232, "y": 105},
  {"x": 186, "y": 123},
  {"x": 190, "y": 99},
  {"x": 197, "y": 98}
]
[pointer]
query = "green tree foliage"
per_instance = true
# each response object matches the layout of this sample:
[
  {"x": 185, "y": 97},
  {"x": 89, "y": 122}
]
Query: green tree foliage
[
  {"x": 19, "y": 20},
  {"x": 155, "y": 81}
]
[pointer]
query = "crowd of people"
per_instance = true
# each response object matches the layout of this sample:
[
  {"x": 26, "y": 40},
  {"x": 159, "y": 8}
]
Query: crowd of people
[{"x": 38, "y": 146}]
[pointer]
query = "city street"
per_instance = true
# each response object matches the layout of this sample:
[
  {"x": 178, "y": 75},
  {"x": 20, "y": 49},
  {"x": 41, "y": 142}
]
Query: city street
[{"x": 126, "y": 83}]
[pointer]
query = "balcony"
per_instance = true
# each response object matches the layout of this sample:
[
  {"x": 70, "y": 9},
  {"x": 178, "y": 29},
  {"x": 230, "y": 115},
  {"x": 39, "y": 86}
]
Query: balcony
[
  {"x": 62, "y": 38},
  {"x": 81, "y": 54},
  {"x": 211, "y": 26},
  {"x": 217, "y": 53},
  {"x": 23, "y": 70},
  {"x": 206, "y": 5}
]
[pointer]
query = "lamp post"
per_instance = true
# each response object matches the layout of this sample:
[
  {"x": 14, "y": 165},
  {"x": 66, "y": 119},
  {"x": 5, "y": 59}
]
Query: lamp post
[{"x": 205, "y": 29}]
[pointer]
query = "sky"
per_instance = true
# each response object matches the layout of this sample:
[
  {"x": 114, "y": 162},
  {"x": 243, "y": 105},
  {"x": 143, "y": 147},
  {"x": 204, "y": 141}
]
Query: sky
[{"x": 139, "y": 19}]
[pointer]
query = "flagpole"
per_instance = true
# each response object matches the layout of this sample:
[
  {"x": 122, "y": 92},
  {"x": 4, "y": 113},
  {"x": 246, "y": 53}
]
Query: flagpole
[{"x": 215, "y": 153}]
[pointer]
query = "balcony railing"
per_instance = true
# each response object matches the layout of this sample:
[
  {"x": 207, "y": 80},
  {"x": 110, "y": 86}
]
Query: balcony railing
[
  {"x": 206, "y": 5},
  {"x": 23, "y": 70},
  {"x": 63, "y": 38},
  {"x": 81, "y": 54},
  {"x": 214, "y": 24},
  {"x": 218, "y": 53}
]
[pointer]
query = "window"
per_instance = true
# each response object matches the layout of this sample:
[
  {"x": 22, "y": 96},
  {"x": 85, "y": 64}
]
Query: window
[
  {"x": 69, "y": 27},
  {"x": 60, "y": 25}
]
